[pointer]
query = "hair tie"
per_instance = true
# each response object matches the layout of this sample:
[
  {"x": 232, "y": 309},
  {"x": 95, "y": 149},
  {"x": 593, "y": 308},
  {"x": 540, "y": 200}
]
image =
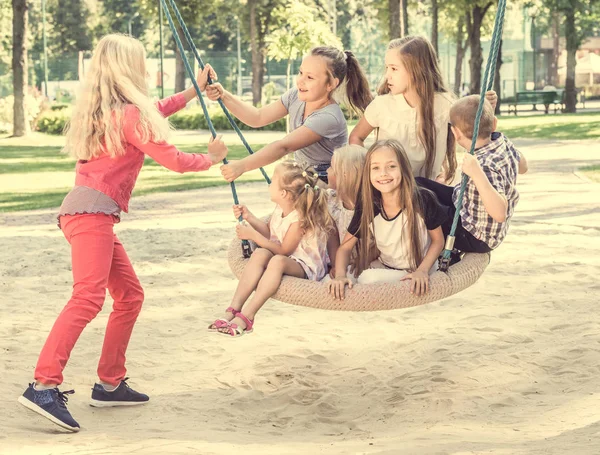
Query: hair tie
[
  {"x": 304, "y": 174},
  {"x": 316, "y": 187},
  {"x": 307, "y": 186}
]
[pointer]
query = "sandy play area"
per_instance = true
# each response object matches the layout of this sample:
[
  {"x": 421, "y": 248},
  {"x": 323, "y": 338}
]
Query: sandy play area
[{"x": 510, "y": 366}]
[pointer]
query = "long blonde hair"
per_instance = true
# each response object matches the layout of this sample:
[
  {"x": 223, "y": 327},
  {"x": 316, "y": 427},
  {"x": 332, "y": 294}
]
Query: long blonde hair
[
  {"x": 420, "y": 61},
  {"x": 116, "y": 78},
  {"x": 370, "y": 197},
  {"x": 348, "y": 163},
  {"x": 309, "y": 199}
]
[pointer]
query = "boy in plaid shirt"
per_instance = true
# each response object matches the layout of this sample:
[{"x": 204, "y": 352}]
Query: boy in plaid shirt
[{"x": 491, "y": 194}]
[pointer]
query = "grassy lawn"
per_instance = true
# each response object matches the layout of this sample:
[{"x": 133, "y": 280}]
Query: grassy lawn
[
  {"x": 552, "y": 126},
  {"x": 592, "y": 172},
  {"x": 37, "y": 177}
]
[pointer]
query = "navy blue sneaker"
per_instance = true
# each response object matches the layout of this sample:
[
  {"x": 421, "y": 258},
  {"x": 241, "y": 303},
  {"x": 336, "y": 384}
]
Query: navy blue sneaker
[
  {"x": 52, "y": 404},
  {"x": 123, "y": 395}
]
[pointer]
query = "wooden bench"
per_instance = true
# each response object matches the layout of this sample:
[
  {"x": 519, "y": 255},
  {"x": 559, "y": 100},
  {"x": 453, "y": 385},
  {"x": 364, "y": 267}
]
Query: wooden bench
[{"x": 535, "y": 97}]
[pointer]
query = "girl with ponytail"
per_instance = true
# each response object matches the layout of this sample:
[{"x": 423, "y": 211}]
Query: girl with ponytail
[
  {"x": 317, "y": 123},
  {"x": 298, "y": 241}
]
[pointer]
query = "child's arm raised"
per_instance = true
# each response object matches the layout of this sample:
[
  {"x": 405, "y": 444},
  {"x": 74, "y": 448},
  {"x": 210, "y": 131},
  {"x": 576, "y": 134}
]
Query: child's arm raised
[
  {"x": 175, "y": 103},
  {"x": 495, "y": 203},
  {"x": 297, "y": 139},
  {"x": 259, "y": 225},
  {"x": 290, "y": 242},
  {"x": 338, "y": 284},
  {"x": 420, "y": 277},
  {"x": 360, "y": 132},
  {"x": 250, "y": 115},
  {"x": 166, "y": 154}
]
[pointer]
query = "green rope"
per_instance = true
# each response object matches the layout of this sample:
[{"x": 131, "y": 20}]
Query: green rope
[
  {"x": 487, "y": 84},
  {"x": 190, "y": 42},
  {"x": 245, "y": 244}
]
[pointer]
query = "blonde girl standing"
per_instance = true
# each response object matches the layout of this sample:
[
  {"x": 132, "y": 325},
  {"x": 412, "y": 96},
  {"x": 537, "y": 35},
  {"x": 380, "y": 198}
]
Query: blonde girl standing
[{"x": 114, "y": 126}]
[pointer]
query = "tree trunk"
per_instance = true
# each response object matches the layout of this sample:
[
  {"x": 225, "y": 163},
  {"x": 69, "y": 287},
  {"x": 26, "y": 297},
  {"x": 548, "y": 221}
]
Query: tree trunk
[
  {"x": 572, "y": 44},
  {"x": 179, "y": 66},
  {"x": 394, "y": 9},
  {"x": 497, "y": 88},
  {"x": 461, "y": 49},
  {"x": 555, "y": 50},
  {"x": 19, "y": 64},
  {"x": 258, "y": 58},
  {"x": 474, "y": 21},
  {"x": 403, "y": 18},
  {"x": 434, "y": 26}
]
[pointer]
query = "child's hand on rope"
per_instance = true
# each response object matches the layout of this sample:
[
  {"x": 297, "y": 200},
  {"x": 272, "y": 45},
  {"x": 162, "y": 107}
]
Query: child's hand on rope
[
  {"x": 232, "y": 170},
  {"x": 337, "y": 287},
  {"x": 470, "y": 165},
  {"x": 202, "y": 78},
  {"x": 241, "y": 210},
  {"x": 215, "y": 91},
  {"x": 492, "y": 97},
  {"x": 244, "y": 231},
  {"x": 420, "y": 282},
  {"x": 217, "y": 150}
]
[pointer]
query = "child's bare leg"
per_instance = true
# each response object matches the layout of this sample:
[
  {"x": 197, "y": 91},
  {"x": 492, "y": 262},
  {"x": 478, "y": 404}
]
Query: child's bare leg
[
  {"x": 268, "y": 284},
  {"x": 251, "y": 276},
  {"x": 248, "y": 281}
]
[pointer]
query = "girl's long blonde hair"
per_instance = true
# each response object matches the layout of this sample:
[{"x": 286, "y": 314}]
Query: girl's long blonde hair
[
  {"x": 348, "y": 163},
  {"x": 116, "y": 78},
  {"x": 309, "y": 199},
  {"x": 420, "y": 61},
  {"x": 370, "y": 197}
]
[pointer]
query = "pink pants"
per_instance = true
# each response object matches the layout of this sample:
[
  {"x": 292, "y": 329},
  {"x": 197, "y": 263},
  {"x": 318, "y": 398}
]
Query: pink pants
[{"x": 99, "y": 263}]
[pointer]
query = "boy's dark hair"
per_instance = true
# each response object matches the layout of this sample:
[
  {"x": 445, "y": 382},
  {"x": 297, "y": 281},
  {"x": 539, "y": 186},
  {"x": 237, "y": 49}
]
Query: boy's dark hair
[{"x": 463, "y": 113}]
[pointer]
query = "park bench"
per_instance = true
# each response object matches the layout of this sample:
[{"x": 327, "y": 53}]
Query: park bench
[{"x": 535, "y": 97}]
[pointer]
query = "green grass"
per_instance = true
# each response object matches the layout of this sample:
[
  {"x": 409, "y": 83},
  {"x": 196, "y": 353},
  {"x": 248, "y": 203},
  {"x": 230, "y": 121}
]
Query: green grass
[
  {"x": 38, "y": 177},
  {"x": 552, "y": 126},
  {"x": 592, "y": 172}
]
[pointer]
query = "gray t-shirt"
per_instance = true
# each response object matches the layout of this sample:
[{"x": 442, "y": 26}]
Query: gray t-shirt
[{"x": 328, "y": 122}]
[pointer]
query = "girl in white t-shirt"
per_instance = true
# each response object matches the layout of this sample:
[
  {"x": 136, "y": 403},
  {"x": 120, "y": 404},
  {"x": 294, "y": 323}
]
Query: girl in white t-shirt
[
  {"x": 403, "y": 219},
  {"x": 294, "y": 242},
  {"x": 413, "y": 107}
]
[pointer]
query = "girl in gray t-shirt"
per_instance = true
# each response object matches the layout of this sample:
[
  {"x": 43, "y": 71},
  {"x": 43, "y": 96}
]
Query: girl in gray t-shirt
[{"x": 317, "y": 123}]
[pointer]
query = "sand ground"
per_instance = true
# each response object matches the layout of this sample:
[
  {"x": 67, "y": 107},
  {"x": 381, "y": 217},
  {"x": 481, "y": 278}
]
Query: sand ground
[{"x": 509, "y": 366}]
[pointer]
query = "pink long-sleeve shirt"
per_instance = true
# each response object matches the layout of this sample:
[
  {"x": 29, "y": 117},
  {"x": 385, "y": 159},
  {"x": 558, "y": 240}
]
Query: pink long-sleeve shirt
[{"x": 105, "y": 184}]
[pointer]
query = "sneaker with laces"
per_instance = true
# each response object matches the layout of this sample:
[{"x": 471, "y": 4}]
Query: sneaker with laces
[
  {"x": 123, "y": 395},
  {"x": 50, "y": 403}
]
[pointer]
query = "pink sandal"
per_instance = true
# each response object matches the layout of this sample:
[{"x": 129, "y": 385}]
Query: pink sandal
[
  {"x": 215, "y": 326},
  {"x": 234, "y": 330}
]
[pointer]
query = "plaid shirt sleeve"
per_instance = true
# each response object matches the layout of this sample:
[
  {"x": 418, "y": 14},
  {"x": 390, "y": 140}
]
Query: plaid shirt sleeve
[{"x": 496, "y": 179}]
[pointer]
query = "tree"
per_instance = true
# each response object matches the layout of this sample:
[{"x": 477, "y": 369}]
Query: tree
[
  {"x": 403, "y": 18},
  {"x": 19, "y": 64},
  {"x": 434, "y": 24},
  {"x": 260, "y": 21},
  {"x": 71, "y": 31},
  {"x": 394, "y": 19},
  {"x": 298, "y": 32},
  {"x": 474, "y": 20}
]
